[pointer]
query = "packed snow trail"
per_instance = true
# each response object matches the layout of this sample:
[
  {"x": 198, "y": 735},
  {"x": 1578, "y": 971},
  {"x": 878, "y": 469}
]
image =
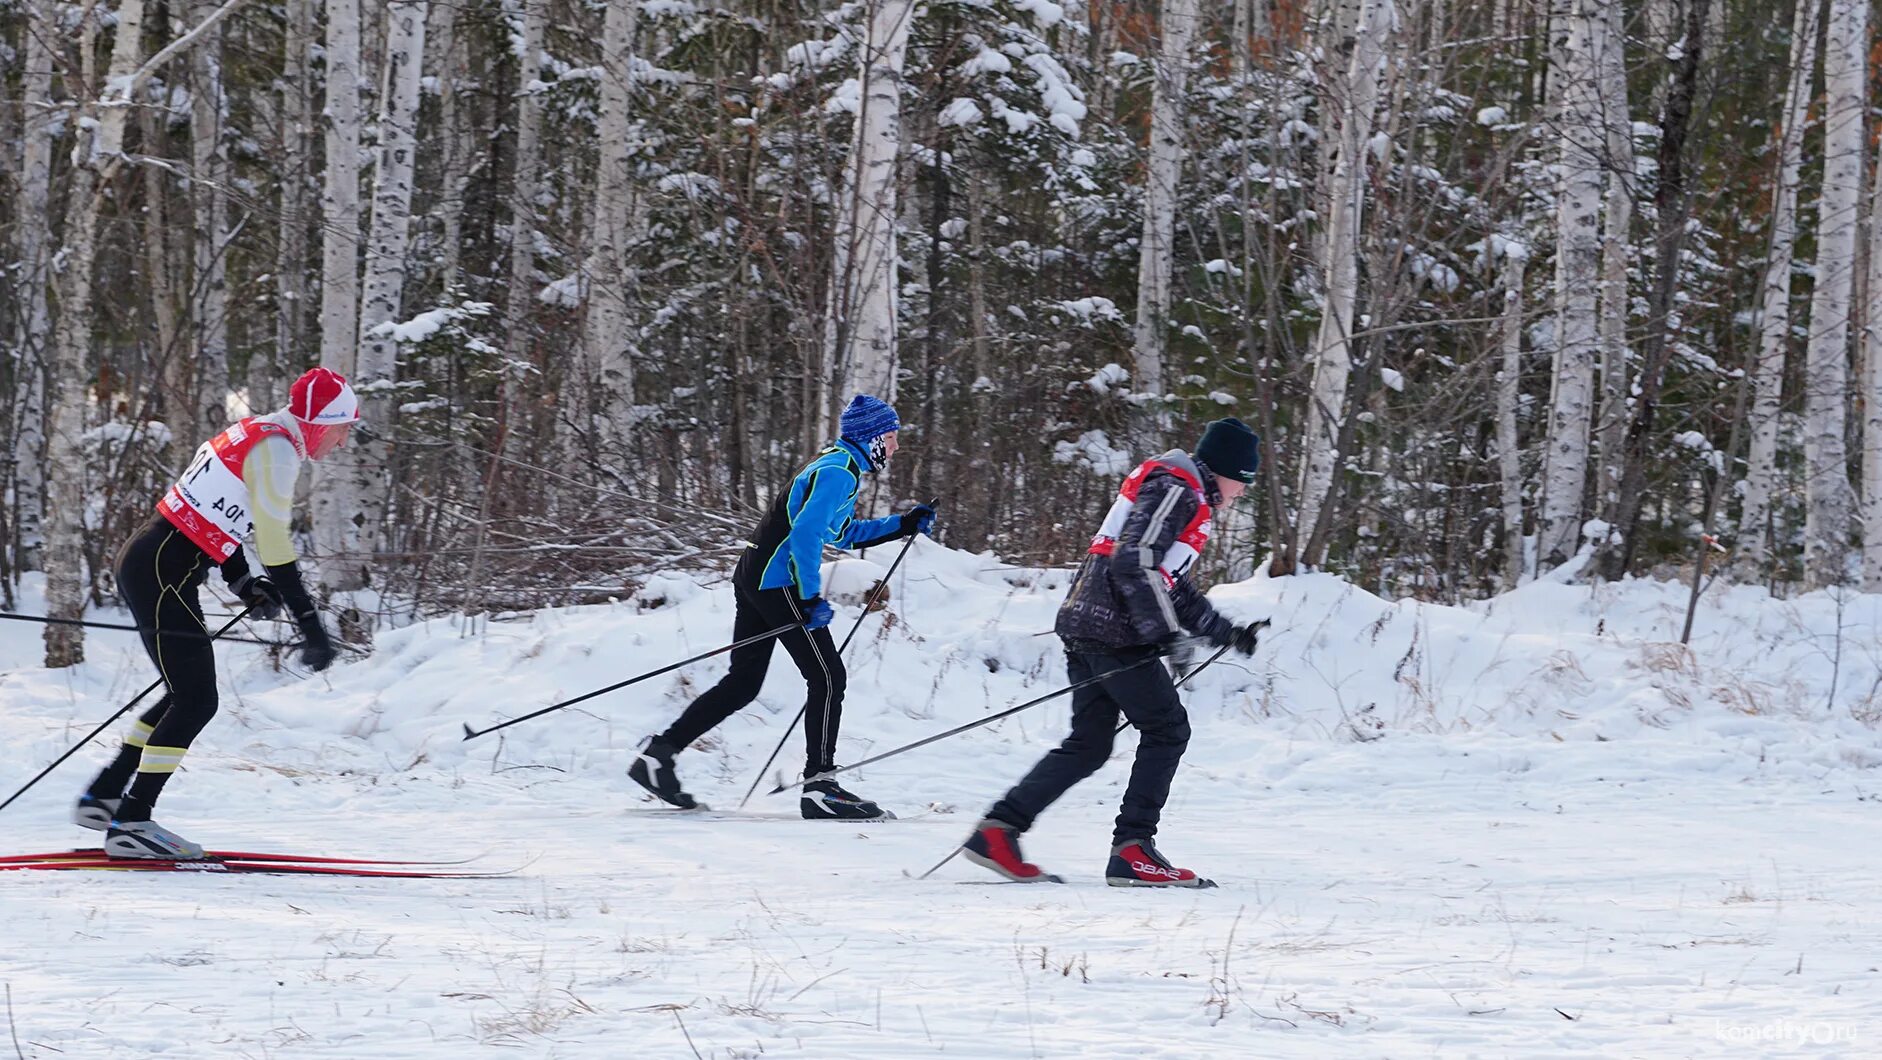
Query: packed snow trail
[{"x": 1528, "y": 827}]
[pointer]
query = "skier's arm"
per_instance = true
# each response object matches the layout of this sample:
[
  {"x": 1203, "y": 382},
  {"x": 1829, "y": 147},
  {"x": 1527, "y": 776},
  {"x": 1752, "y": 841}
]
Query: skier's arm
[
  {"x": 269, "y": 473},
  {"x": 1196, "y": 613},
  {"x": 1164, "y": 506},
  {"x": 868, "y": 533},
  {"x": 822, "y": 515}
]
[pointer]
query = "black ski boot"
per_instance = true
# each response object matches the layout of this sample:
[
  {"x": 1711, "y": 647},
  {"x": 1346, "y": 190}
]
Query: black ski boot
[
  {"x": 1137, "y": 863},
  {"x": 653, "y": 770},
  {"x": 825, "y": 800}
]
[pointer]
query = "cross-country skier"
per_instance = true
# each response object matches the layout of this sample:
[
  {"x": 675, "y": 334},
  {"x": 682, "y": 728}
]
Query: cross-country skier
[
  {"x": 238, "y": 490},
  {"x": 1130, "y": 602},
  {"x": 778, "y": 581}
]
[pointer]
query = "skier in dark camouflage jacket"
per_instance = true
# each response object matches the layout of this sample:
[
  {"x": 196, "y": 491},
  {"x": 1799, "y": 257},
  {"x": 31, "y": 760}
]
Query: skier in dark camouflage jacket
[{"x": 1131, "y": 601}]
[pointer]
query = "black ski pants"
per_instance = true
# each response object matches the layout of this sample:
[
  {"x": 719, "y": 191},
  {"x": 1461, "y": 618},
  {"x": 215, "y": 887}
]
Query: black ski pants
[
  {"x": 159, "y": 572},
  {"x": 1147, "y": 697},
  {"x": 813, "y": 651}
]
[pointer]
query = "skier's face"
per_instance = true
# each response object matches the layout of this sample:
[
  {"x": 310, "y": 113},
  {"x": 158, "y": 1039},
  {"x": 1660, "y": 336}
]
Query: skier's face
[
  {"x": 325, "y": 439},
  {"x": 1231, "y": 488},
  {"x": 882, "y": 449}
]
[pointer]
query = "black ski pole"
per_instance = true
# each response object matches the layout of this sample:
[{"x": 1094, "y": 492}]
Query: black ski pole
[
  {"x": 988, "y": 720},
  {"x": 881, "y": 587},
  {"x": 1181, "y": 681},
  {"x": 108, "y": 721},
  {"x": 471, "y": 734},
  {"x": 89, "y": 624}
]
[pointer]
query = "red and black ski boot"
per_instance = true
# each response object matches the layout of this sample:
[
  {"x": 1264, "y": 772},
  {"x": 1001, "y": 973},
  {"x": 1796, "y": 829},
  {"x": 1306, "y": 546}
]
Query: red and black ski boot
[
  {"x": 995, "y": 844},
  {"x": 1136, "y": 863}
]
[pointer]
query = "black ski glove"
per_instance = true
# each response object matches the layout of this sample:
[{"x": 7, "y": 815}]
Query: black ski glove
[
  {"x": 918, "y": 520},
  {"x": 317, "y": 650},
  {"x": 261, "y": 595},
  {"x": 1248, "y": 637}
]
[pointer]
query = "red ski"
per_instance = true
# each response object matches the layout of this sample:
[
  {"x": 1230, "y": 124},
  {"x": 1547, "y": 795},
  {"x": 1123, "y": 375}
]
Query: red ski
[{"x": 96, "y": 853}]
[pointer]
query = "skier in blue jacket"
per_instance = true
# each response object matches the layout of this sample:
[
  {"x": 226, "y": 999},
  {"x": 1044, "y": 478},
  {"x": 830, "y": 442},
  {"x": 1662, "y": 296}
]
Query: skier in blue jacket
[{"x": 779, "y": 581}]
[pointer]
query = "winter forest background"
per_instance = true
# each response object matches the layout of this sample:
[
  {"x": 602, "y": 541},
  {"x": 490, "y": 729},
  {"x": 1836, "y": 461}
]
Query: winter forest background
[{"x": 1484, "y": 275}]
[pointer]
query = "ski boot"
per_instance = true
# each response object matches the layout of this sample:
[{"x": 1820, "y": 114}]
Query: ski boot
[
  {"x": 148, "y": 839},
  {"x": 653, "y": 770},
  {"x": 94, "y": 813},
  {"x": 825, "y": 800},
  {"x": 1136, "y": 863},
  {"x": 995, "y": 844}
]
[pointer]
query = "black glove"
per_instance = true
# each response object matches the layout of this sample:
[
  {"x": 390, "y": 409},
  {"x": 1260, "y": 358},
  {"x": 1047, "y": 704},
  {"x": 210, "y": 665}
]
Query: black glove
[
  {"x": 1246, "y": 638},
  {"x": 918, "y": 520},
  {"x": 317, "y": 650},
  {"x": 261, "y": 595}
]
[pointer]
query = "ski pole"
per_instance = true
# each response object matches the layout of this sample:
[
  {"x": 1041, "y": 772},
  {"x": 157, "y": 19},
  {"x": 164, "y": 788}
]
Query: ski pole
[
  {"x": 471, "y": 734},
  {"x": 1181, "y": 681},
  {"x": 989, "y": 719},
  {"x": 89, "y": 624},
  {"x": 881, "y": 587},
  {"x": 154, "y": 685}
]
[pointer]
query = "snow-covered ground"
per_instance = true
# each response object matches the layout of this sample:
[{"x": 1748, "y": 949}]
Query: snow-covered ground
[{"x": 1532, "y": 827}]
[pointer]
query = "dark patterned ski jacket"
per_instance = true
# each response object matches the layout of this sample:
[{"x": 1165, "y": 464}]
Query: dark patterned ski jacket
[{"x": 1133, "y": 588}]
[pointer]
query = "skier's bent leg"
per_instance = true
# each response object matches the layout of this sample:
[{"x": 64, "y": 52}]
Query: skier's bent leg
[
  {"x": 1094, "y": 719},
  {"x": 1154, "y": 708}
]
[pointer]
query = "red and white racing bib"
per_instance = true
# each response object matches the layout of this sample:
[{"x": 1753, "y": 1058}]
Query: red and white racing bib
[
  {"x": 1188, "y": 544},
  {"x": 210, "y": 503}
]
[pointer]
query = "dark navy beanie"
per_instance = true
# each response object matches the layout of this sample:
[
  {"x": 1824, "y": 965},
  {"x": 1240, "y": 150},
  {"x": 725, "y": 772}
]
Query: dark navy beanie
[
  {"x": 1230, "y": 449},
  {"x": 868, "y": 418}
]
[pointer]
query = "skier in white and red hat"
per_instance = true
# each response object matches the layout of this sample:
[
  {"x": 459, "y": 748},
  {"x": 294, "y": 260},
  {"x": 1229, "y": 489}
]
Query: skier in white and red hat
[{"x": 237, "y": 491}]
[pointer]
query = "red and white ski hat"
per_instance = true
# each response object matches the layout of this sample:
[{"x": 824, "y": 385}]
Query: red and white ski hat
[{"x": 322, "y": 397}]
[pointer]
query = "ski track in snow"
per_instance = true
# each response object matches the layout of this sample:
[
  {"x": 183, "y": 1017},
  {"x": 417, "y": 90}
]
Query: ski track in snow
[{"x": 1556, "y": 835}]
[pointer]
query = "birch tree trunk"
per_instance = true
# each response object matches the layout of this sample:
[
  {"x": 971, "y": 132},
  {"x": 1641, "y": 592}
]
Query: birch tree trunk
[
  {"x": 1872, "y": 387},
  {"x": 859, "y": 322},
  {"x": 360, "y": 487},
  {"x": 1610, "y": 36},
  {"x": 1157, "y": 250},
  {"x": 441, "y": 44},
  {"x": 1826, "y": 398},
  {"x": 1333, "y": 357},
  {"x": 1508, "y": 392},
  {"x": 266, "y": 387},
  {"x": 1577, "y": 106},
  {"x": 606, "y": 339},
  {"x": 207, "y": 371},
  {"x": 99, "y": 141},
  {"x": 522, "y": 290},
  {"x": 42, "y": 121},
  {"x": 1756, "y": 543},
  {"x": 339, "y": 273}
]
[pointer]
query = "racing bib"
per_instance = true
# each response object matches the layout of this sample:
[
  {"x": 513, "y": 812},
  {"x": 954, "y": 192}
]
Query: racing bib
[{"x": 209, "y": 503}]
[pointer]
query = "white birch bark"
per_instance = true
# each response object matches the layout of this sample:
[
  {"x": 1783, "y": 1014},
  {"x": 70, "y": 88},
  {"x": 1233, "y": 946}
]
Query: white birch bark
[
  {"x": 1609, "y": 35},
  {"x": 441, "y": 46},
  {"x": 1826, "y": 373},
  {"x": 1872, "y": 387},
  {"x": 1333, "y": 356},
  {"x": 523, "y": 192},
  {"x": 208, "y": 373},
  {"x": 99, "y": 138},
  {"x": 266, "y": 389},
  {"x": 859, "y": 322},
  {"x": 1515, "y": 257},
  {"x": 1577, "y": 106},
  {"x": 1156, "y": 250},
  {"x": 360, "y": 488},
  {"x": 339, "y": 269},
  {"x": 605, "y": 338},
  {"x": 35, "y": 253},
  {"x": 1774, "y": 321}
]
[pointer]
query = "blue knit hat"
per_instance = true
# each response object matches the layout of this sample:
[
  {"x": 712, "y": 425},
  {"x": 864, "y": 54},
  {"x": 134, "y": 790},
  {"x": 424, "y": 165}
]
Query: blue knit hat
[
  {"x": 868, "y": 418},
  {"x": 1230, "y": 449}
]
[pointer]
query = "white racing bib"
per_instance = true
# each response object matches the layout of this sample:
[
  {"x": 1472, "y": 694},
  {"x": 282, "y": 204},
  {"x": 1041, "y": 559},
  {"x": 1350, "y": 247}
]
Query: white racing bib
[{"x": 210, "y": 502}]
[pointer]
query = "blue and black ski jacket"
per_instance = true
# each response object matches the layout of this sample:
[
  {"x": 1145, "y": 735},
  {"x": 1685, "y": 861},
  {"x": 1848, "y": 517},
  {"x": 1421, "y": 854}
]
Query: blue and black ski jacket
[{"x": 818, "y": 509}]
